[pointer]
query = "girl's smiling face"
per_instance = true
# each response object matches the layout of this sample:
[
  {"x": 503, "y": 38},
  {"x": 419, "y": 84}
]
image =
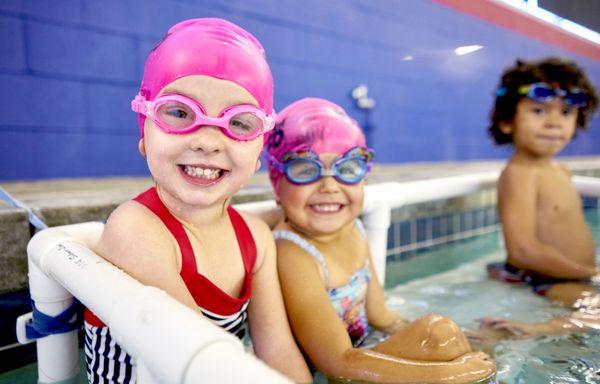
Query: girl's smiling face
[
  {"x": 204, "y": 167},
  {"x": 322, "y": 207}
]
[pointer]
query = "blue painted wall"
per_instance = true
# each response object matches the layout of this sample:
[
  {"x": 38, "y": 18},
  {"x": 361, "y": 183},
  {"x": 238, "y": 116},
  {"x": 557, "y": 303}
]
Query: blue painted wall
[{"x": 69, "y": 68}]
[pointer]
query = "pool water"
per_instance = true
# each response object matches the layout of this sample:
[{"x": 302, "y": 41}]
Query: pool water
[{"x": 464, "y": 293}]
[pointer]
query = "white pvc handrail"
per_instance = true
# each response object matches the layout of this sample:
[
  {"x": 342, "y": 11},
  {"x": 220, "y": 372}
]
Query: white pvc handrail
[
  {"x": 170, "y": 341},
  {"x": 587, "y": 186}
]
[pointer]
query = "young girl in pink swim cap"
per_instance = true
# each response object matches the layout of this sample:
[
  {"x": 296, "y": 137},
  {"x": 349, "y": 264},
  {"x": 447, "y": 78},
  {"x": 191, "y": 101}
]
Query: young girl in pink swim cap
[
  {"x": 318, "y": 160},
  {"x": 205, "y": 102}
]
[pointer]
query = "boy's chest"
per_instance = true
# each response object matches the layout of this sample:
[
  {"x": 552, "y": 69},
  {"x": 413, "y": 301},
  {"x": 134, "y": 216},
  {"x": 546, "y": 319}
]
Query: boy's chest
[{"x": 556, "y": 195}]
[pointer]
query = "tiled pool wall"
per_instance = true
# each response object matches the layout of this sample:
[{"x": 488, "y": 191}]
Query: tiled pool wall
[
  {"x": 424, "y": 225},
  {"x": 418, "y": 226}
]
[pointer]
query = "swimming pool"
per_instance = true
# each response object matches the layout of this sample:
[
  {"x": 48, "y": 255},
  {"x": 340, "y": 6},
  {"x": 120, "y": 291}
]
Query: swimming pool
[
  {"x": 465, "y": 293},
  {"x": 449, "y": 279}
]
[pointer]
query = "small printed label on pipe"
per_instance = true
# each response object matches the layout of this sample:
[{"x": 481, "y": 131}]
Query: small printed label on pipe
[{"x": 71, "y": 256}]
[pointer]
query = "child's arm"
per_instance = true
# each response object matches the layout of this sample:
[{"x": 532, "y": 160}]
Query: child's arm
[
  {"x": 324, "y": 339},
  {"x": 517, "y": 189},
  {"x": 379, "y": 315},
  {"x": 272, "y": 338},
  {"x": 136, "y": 241},
  {"x": 510, "y": 329}
]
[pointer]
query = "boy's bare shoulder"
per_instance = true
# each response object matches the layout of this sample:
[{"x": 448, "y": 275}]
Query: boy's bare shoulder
[
  {"x": 563, "y": 168},
  {"x": 516, "y": 173}
]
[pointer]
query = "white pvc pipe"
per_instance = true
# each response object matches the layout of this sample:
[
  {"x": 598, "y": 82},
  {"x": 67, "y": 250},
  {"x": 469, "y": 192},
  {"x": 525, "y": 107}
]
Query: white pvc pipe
[
  {"x": 587, "y": 186},
  {"x": 218, "y": 362},
  {"x": 169, "y": 339},
  {"x": 259, "y": 206},
  {"x": 397, "y": 194},
  {"x": 52, "y": 299},
  {"x": 377, "y": 222}
]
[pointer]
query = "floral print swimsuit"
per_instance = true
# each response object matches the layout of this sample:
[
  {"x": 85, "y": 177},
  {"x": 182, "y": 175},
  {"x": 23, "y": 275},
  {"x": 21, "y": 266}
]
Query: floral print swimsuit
[{"x": 349, "y": 301}]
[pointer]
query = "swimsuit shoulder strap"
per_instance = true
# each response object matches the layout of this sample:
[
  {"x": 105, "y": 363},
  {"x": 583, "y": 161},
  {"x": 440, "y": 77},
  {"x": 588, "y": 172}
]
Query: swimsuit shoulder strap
[
  {"x": 150, "y": 199},
  {"x": 244, "y": 237},
  {"x": 202, "y": 289},
  {"x": 360, "y": 227},
  {"x": 305, "y": 245}
]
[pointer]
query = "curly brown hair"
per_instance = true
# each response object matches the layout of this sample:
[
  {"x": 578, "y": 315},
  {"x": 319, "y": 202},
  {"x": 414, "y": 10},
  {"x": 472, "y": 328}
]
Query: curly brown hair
[{"x": 555, "y": 71}]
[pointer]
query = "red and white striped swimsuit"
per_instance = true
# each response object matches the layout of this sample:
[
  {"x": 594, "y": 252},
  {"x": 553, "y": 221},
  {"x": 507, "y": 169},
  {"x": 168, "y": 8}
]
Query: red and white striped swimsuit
[{"x": 108, "y": 363}]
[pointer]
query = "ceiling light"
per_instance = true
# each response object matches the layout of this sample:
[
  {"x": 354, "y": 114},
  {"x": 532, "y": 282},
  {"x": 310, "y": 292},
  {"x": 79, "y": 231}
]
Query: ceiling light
[{"x": 467, "y": 49}]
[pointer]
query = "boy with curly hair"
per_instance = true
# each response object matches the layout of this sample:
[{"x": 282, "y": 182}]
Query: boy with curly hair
[{"x": 538, "y": 109}]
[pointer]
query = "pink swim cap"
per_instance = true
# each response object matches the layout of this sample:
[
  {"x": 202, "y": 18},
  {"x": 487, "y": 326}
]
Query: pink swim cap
[
  {"x": 311, "y": 124},
  {"x": 211, "y": 47}
]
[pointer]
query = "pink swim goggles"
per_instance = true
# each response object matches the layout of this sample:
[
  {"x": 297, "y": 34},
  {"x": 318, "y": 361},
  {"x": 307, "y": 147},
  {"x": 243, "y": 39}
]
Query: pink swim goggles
[{"x": 179, "y": 115}]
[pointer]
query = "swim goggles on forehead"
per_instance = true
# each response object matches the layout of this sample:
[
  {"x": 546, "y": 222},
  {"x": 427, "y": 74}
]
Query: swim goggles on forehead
[
  {"x": 178, "y": 114},
  {"x": 306, "y": 167},
  {"x": 543, "y": 93}
]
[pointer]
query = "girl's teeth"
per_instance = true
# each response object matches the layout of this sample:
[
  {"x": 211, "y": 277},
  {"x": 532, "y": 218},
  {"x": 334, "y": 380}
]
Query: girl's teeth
[
  {"x": 327, "y": 207},
  {"x": 203, "y": 173}
]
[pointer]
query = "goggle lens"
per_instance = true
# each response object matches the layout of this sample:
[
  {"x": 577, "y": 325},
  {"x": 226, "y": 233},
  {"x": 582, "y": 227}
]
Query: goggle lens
[
  {"x": 302, "y": 170},
  {"x": 175, "y": 114},
  {"x": 352, "y": 170},
  {"x": 542, "y": 94},
  {"x": 305, "y": 171},
  {"x": 245, "y": 124},
  {"x": 576, "y": 99}
]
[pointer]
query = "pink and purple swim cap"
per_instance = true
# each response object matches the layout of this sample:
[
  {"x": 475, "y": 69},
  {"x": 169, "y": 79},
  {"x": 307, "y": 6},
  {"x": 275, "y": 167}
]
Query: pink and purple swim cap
[
  {"x": 311, "y": 124},
  {"x": 212, "y": 47}
]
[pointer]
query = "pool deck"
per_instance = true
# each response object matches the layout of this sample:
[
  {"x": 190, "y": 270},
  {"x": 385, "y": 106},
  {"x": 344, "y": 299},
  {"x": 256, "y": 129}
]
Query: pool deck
[{"x": 66, "y": 201}]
